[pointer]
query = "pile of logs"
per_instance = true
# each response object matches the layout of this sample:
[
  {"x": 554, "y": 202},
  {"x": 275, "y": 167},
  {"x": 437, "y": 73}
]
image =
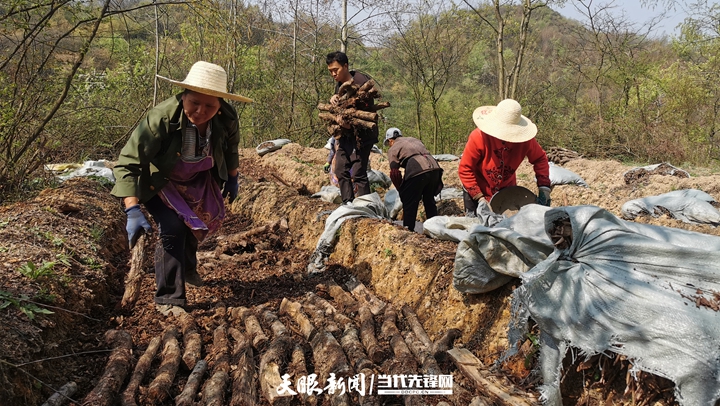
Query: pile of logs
[
  {"x": 561, "y": 156},
  {"x": 253, "y": 352},
  {"x": 355, "y": 108}
]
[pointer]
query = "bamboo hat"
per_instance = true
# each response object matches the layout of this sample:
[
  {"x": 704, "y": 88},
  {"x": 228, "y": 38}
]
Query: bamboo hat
[
  {"x": 207, "y": 78},
  {"x": 505, "y": 122}
]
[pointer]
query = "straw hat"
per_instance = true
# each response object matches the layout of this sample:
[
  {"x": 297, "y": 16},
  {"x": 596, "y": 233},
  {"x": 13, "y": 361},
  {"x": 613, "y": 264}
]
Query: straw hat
[
  {"x": 505, "y": 122},
  {"x": 207, "y": 78}
]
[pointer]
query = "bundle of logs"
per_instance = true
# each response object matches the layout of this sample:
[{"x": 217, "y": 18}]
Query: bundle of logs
[
  {"x": 561, "y": 156},
  {"x": 355, "y": 109},
  {"x": 336, "y": 330}
]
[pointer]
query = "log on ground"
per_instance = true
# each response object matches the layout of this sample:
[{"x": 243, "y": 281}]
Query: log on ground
[
  {"x": 141, "y": 368},
  {"x": 160, "y": 386},
  {"x": 244, "y": 388},
  {"x": 116, "y": 370},
  {"x": 189, "y": 393}
]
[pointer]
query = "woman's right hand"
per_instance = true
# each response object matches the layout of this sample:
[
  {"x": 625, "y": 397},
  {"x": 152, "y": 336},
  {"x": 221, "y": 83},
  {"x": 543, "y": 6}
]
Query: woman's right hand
[{"x": 136, "y": 223}]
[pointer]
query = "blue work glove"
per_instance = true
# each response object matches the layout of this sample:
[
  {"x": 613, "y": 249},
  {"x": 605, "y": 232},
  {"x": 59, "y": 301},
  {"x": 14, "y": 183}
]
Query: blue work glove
[
  {"x": 543, "y": 197},
  {"x": 231, "y": 187},
  {"x": 136, "y": 222},
  {"x": 326, "y": 167}
]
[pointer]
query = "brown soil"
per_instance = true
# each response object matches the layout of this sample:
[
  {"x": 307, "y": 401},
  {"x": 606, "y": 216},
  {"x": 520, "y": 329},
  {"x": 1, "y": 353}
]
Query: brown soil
[{"x": 66, "y": 251}]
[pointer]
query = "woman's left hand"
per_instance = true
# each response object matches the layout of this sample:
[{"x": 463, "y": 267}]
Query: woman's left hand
[{"x": 231, "y": 187}]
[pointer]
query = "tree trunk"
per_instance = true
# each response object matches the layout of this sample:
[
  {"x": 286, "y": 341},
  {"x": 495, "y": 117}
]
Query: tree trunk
[
  {"x": 141, "y": 368},
  {"x": 160, "y": 386},
  {"x": 187, "y": 396},
  {"x": 117, "y": 368}
]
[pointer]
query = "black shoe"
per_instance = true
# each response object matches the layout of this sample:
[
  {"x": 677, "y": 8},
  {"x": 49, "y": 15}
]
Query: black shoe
[{"x": 193, "y": 278}]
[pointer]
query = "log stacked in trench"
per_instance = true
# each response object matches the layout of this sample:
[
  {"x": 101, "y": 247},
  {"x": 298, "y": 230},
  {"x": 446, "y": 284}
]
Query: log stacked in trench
[{"x": 312, "y": 350}]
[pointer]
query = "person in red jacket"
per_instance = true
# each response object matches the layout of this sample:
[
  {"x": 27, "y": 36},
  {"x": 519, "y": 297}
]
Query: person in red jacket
[{"x": 494, "y": 151}]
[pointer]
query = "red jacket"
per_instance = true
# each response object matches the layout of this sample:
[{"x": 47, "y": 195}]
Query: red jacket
[{"x": 488, "y": 164}]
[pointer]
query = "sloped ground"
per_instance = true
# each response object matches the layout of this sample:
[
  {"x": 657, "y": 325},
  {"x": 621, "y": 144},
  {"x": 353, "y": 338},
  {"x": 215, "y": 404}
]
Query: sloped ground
[{"x": 67, "y": 249}]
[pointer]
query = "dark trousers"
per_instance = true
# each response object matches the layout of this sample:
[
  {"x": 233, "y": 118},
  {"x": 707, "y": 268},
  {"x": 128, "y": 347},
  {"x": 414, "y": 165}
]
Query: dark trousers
[
  {"x": 175, "y": 254},
  {"x": 420, "y": 187},
  {"x": 347, "y": 159}
]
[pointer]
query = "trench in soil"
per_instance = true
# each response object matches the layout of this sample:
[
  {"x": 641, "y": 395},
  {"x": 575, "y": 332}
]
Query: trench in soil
[{"x": 400, "y": 268}]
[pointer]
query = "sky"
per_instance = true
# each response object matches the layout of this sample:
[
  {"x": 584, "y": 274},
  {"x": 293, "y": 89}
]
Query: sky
[{"x": 635, "y": 12}]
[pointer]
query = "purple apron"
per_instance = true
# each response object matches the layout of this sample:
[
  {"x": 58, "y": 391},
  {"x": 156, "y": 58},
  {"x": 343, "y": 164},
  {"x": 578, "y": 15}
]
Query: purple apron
[{"x": 195, "y": 196}]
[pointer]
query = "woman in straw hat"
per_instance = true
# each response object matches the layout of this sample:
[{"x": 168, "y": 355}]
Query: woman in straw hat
[
  {"x": 494, "y": 151},
  {"x": 175, "y": 163}
]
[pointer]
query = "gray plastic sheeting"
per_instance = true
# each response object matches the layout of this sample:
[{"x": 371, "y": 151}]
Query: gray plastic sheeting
[
  {"x": 629, "y": 289},
  {"x": 688, "y": 205},
  {"x": 490, "y": 257},
  {"x": 562, "y": 176},
  {"x": 368, "y": 206}
]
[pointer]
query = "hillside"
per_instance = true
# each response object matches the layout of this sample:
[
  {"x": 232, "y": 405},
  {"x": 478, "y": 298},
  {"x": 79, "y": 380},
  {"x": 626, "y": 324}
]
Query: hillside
[{"x": 66, "y": 251}]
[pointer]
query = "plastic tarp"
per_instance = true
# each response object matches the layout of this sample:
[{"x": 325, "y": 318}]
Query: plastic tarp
[
  {"x": 490, "y": 256},
  {"x": 626, "y": 288},
  {"x": 449, "y": 193},
  {"x": 88, "y": 168},
  {"x": 662, "y": 168},
  {"x": 562, "y": 176},
  {"x": 330, "y": 194},
  {"x": 375, "y": 176},
  {"x": 393, "y": 204},
  {"x": 445, "y": 157},
  {"x": 270, "y": 146},
  {"x": 688, "y": 205},
  {"x": 367, "y": 206}
]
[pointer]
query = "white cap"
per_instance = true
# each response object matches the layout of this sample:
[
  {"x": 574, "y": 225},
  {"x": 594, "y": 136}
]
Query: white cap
[{"x": 391, "y": 134}]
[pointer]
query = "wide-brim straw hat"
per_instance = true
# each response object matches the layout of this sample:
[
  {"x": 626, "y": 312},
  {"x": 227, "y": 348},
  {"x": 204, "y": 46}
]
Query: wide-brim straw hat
[
  {"x": 505, "y": 122},
  {"x": 207, "y": 78}
]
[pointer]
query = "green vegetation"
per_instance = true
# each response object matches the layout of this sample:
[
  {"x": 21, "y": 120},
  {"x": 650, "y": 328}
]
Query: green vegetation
[
  {"x": 23, "y": 303},
  {"x": 76, "y": 87},
  {"x": 34, "y": 272}
]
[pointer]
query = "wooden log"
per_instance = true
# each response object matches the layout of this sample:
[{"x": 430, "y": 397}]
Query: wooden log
[
  {"x": 62, "y": 395},
  {"x": 252, "y": 327},
  {"x": 374, "y": 350},
  {"x": 329, "y": 310},
  {"x": 471, "y": 367},
  {"x": 244, "y": 389},
  {"x": 297, "y": 369},
  {"x": 368, "y": 399},
  {"x": 319, "y": 319},
  {"x": 219, "y": 357},
  {"x": 134, "y": 278},
  {"x": 329, "y": 356},
  {"x": 159, "y": 388},
  {"x": 329, "y": 117},
  {"x": 277, "y": 327},
  {"x": 347, "y": 303},
  {"x": 214, "y": 391},
  {"x": 347, "y": 89},
  {"x": 294, "y": 311},
  {"x": 380, "y": 106},
  {"x": 141, "y": 368},
  {"x": 423, "y": 356},
  {"x": 354, "y": 349},
  {"x": 366, "y": 86},
  {"x": 417, "y": 327},
  {"x": 117, "y": 368},
  {"x": 363, "y": 295},
  {"x": 189, "y": 392},
  {"x": 357, "y": 122},
  {"x": 444, "y": 343},
  {"x": 353, "y": 112},
  {"x": 192, "y": 342},
  {"x": 397, "y": 343},
  {"x": 270, "y": 365}
]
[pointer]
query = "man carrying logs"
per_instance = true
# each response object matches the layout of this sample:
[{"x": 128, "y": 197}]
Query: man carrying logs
[{"x": 351, "y": 118}]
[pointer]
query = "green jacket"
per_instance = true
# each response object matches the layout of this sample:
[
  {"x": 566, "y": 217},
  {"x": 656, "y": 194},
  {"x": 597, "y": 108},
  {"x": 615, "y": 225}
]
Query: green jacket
[{"x": 150, "y": 154}]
